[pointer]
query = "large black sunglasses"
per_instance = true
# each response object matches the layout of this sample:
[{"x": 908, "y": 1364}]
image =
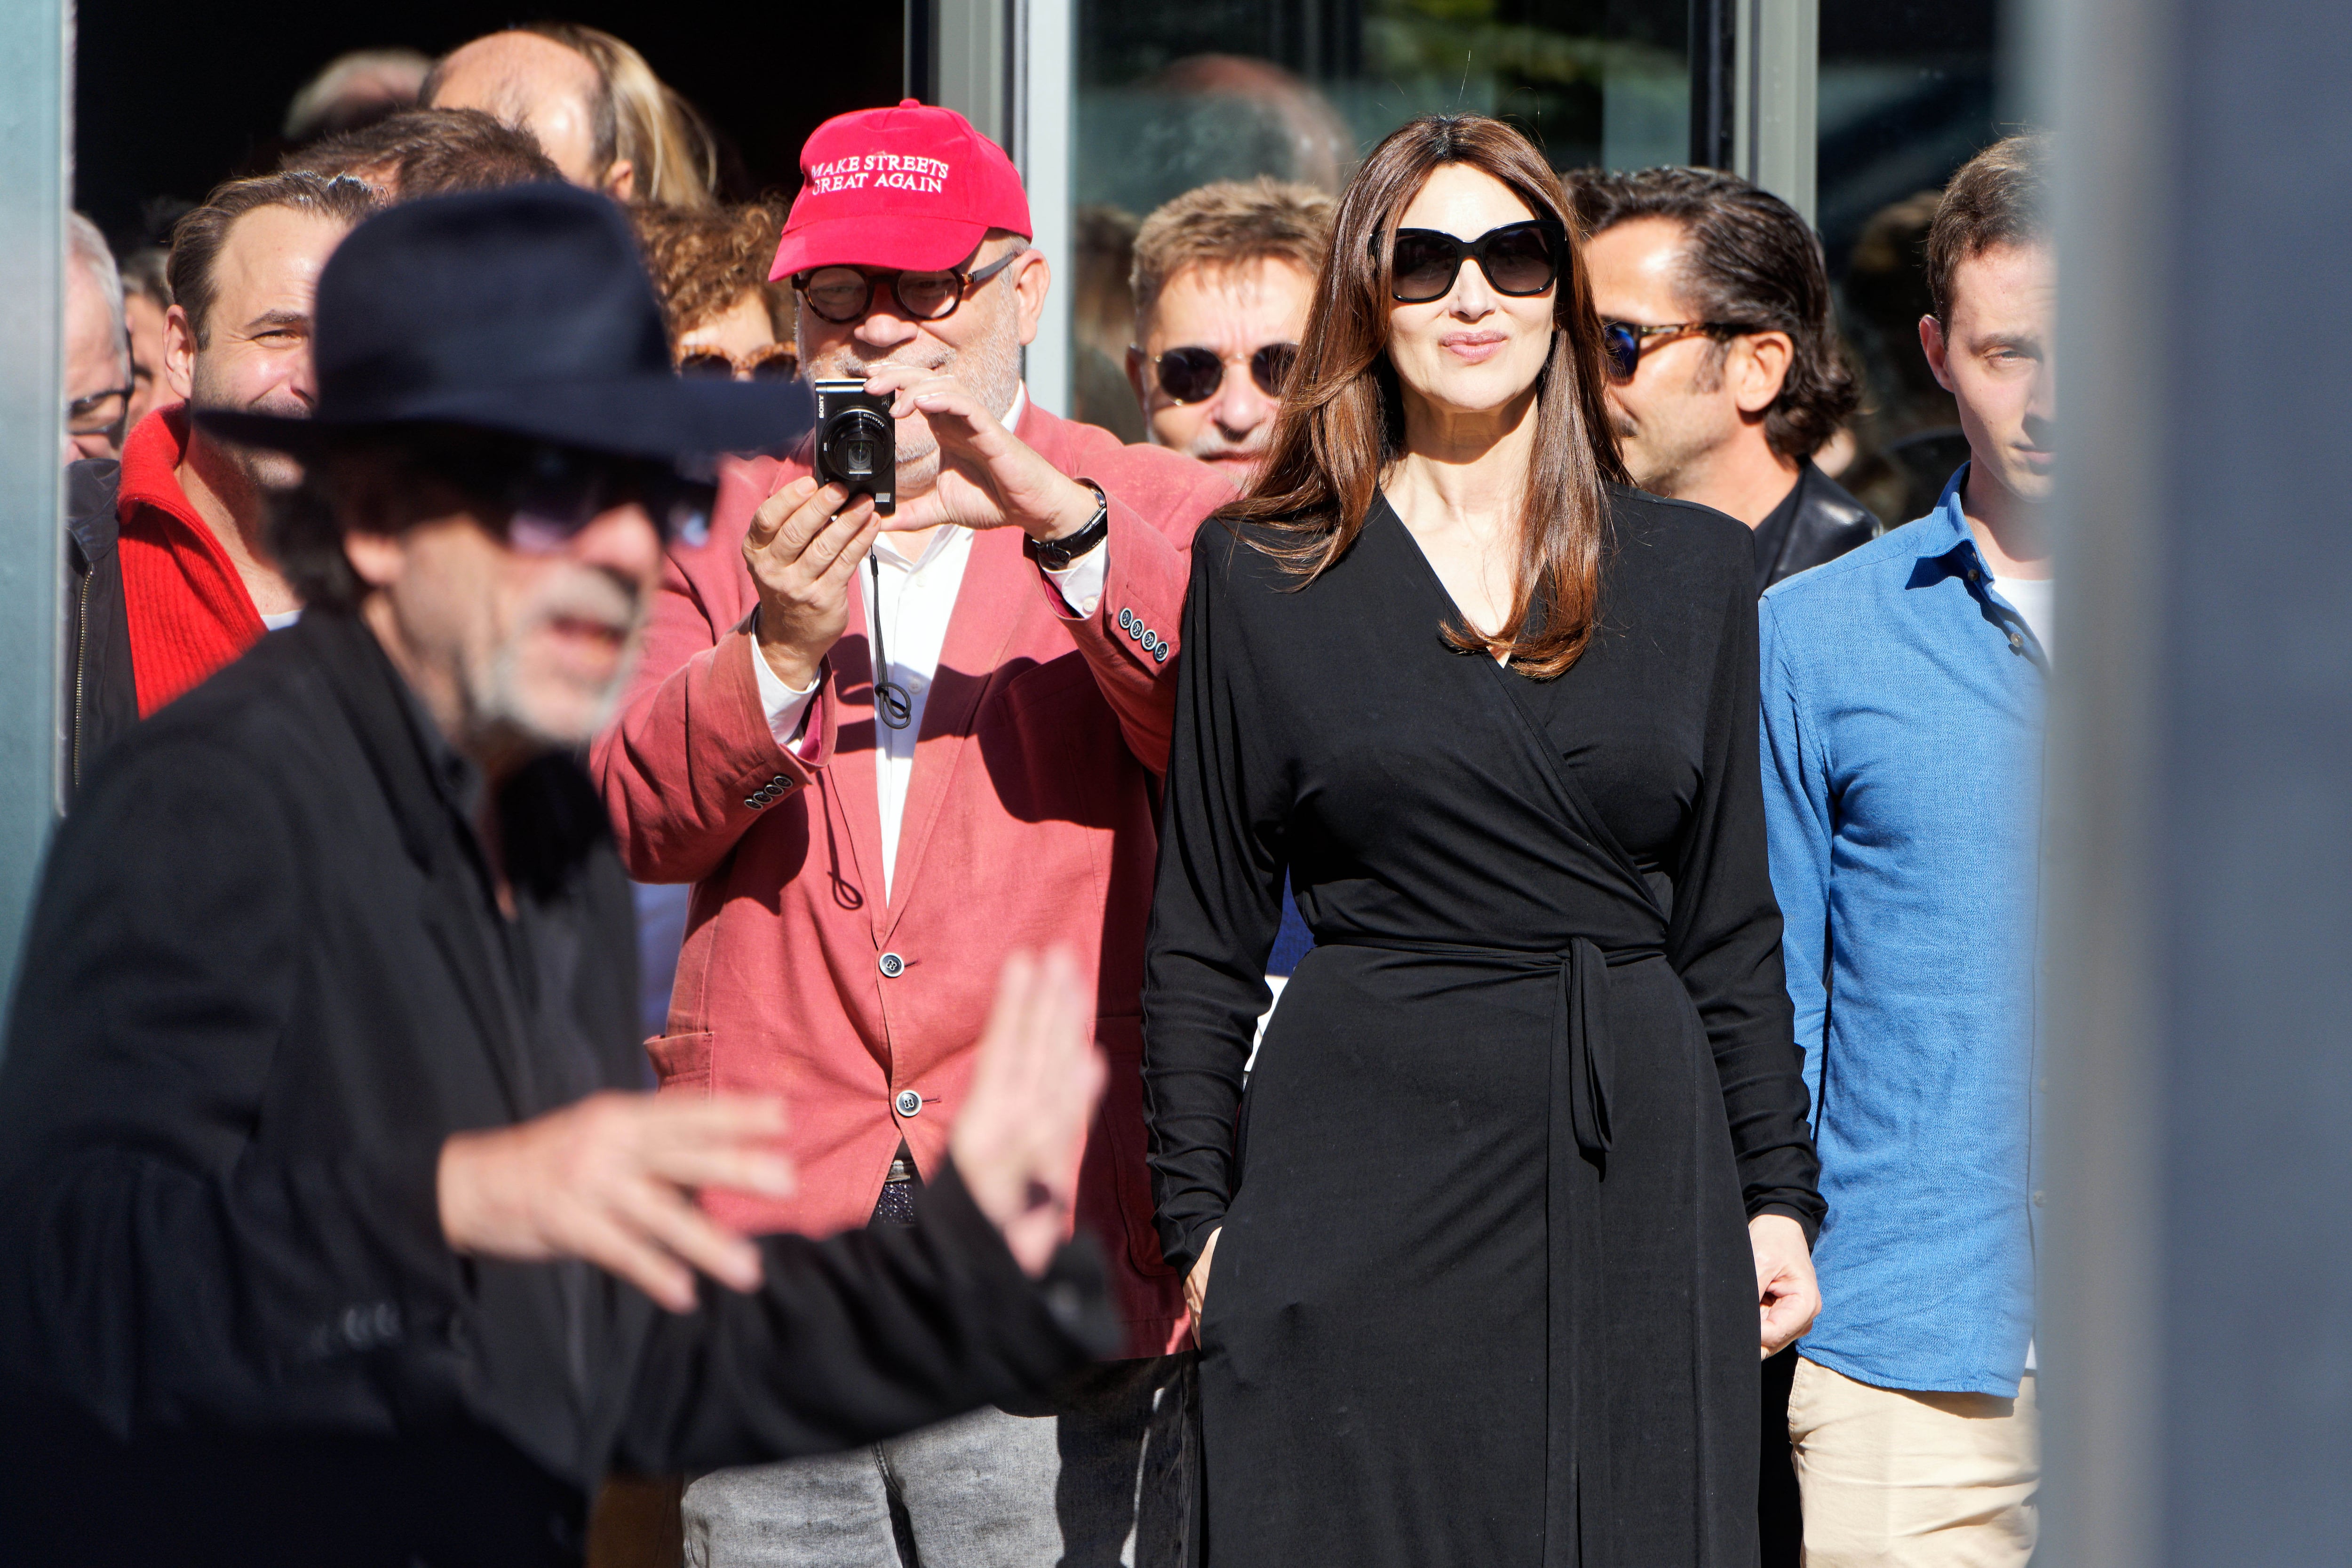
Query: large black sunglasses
[
  {"x": 1624, "y": 340},
  {"x": 1193, "y": 375},
  {"x": 843, "y": 294},
  {"x": 549, "y": 493},
  {"x": 1519, "y": 259}
]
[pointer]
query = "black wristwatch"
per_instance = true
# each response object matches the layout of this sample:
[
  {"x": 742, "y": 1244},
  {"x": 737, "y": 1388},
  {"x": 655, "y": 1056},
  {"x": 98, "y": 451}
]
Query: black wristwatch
[{"x": 1055, "y": 554}]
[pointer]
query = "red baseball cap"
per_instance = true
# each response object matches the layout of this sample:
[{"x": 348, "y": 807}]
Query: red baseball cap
[{"x": 914, "y": 187}]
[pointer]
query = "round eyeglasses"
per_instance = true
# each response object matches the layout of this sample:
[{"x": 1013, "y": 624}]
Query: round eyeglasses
[
  {"x": 1193, "y": 375},
  {"x": 844, "y": 294},
  {"x": 1519, "y": 259}
]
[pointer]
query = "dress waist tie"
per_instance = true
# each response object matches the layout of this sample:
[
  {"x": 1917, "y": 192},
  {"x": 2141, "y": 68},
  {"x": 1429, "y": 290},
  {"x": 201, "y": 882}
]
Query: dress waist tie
[
  {"x": 1576, "y": 1442},
  {"x": 1581, "y": 1053}
]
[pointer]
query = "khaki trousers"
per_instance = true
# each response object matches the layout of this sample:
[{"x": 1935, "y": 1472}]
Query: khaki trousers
[{"x": 1893, "y": 1479}]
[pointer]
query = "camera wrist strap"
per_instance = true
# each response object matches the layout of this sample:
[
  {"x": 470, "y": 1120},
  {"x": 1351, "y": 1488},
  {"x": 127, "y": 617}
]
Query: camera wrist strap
[{"x": 893, "y": 703}]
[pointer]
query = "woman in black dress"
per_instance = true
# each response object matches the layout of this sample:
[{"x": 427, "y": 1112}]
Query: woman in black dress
[{"x": 1485, "y": 1243}]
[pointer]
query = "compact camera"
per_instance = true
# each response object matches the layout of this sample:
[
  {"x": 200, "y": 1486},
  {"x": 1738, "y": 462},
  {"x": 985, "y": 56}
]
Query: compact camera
[{"x": 857, "y": 446}]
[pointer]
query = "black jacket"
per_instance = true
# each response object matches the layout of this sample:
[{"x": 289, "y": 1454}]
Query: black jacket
[
  {"x": 1817, "y": 521},
  {"x": 264, "y": 984},
  {"x": 101, "y": 698}
]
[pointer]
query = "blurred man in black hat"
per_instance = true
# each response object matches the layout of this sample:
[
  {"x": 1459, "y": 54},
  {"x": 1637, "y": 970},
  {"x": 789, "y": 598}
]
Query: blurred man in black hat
[{"x": 331, "y": 1227}]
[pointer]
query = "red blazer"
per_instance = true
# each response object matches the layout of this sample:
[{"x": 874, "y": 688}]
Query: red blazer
[{"x": 1029, "y": 820}]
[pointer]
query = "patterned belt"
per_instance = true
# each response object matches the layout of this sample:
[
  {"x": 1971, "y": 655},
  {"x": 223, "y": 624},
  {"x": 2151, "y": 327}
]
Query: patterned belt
[{"x": 896, "y": 1204}]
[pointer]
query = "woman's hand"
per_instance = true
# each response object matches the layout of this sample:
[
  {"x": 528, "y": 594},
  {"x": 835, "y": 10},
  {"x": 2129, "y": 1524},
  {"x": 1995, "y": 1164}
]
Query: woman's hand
[
  {"x": 1788, "y": 1299},
  {"x": 1196, "y": 1283}
]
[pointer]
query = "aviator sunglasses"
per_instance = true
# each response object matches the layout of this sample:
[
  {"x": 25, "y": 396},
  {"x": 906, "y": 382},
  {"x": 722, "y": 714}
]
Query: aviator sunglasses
[
  {"x": 1193, "y": 375},
  {"x": 1519, "y": 259},
  {"x": 1624, "y": 340}
]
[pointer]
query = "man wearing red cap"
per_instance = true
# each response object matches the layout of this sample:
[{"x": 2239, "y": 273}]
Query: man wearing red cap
[{"x": 862, "y": 867}]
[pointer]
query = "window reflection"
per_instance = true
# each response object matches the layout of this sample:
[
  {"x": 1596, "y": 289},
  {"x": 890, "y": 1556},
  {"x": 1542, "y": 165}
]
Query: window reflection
[
  {"x": 1906, "y": 96},
  {"x": 1170, "y": 98}
]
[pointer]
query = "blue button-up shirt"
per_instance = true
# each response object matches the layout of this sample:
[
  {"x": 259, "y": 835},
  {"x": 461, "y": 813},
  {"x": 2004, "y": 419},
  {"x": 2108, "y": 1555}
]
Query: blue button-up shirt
[{"x": 1901, "y": 740}]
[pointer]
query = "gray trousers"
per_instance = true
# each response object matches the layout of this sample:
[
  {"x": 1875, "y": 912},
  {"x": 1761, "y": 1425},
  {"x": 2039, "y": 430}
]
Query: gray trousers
[{"x": 1105, "y": 1476}]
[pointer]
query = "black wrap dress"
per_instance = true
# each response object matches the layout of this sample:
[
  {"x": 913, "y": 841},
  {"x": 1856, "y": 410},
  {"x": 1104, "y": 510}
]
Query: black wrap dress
[{"x": 1483, "y": 1296}]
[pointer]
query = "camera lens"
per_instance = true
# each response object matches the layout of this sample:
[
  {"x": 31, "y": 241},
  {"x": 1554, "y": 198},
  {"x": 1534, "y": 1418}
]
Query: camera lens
[{"x": 857, "y": 458}]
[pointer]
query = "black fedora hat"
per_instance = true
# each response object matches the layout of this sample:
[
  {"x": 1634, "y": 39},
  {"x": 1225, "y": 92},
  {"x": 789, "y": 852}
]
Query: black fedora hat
[{"x": 524, "y": 311}]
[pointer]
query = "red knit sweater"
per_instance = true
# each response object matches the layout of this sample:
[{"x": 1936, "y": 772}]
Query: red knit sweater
[{"x": 188, "y": 610}]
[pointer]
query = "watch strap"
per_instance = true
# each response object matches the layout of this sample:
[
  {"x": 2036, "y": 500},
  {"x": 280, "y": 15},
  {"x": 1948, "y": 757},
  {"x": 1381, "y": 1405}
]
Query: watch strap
[{"x": 1055, "y": 554}]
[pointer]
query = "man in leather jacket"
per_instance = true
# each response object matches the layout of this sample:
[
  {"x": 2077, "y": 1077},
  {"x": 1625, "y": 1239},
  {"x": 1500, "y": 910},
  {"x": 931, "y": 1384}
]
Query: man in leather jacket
[{"x": 1726, "y": 373}]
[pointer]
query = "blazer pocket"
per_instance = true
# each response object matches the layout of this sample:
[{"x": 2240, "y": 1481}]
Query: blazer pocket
[
  {"x": 1121, "y": 1039},
  {"x": 683, "y": 1062}
]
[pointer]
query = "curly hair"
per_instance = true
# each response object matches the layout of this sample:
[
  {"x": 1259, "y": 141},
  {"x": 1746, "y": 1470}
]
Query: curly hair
[
  {"x": 704, "y": 260},
  {"x": 1750, "y": 260}
]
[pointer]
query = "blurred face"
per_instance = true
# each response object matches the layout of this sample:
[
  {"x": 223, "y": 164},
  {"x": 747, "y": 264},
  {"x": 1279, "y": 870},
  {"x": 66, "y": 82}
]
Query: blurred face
[
  {"x": 255, "y": 351},
  {"x": 541, "y": 86},
  {"x": 1678, "y": 408},
  {"x": 1474, "y": 352},
  {"x": 1994, "y": 358},
  {"x": 1231, "y": 313},
  {"x": 979, "y": 344},
  {"x": 514, "y": 650},
  {"x": 97, "y": 370},
  {"x": 742, "y": 337},
  {"x": 145, "y": 319}
]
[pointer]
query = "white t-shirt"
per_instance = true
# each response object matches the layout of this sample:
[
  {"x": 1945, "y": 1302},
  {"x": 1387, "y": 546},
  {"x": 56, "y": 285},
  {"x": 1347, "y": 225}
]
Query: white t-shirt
[{"x": 2030, "y": 598}]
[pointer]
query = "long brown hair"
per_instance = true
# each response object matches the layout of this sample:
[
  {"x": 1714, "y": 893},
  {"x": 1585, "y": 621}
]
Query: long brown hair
[{"x": 1342, "y": 417}]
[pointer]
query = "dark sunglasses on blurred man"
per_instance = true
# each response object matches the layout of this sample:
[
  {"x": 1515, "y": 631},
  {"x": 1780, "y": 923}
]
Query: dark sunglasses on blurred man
[
  {"x": 777, "y": 362},
  {"x": 547, "y": 493}
]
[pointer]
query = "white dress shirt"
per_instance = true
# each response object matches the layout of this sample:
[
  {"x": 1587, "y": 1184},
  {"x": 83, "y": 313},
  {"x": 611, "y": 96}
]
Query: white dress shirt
[{"x": 914, "y": 603}]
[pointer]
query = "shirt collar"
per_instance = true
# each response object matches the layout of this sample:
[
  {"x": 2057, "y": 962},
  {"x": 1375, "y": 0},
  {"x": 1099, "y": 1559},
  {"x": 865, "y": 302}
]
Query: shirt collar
[
  {"x": 1956, "y": 531},
  {"x": 150, "y": 464}
]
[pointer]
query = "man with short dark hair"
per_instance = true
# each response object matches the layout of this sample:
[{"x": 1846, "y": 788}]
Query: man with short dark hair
[
  {"x": 198, "y": 583},
  {"x": 173, "y": 575},
  {"x": 1725, "y": 373},
  {"x": 1224, "y": 277},
  {"x": 428, "y": 153},
  {"x": 882, "y": 757},
  {"x": 1903, "y": 689},
  {"x": 335, "y": 1224}
]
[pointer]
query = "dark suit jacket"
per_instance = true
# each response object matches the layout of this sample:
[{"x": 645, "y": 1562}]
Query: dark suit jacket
[
  {"x": 101, "y": 700},
  {"x": 1817, "y": 521},
  {"x": 263, "y": 986}
]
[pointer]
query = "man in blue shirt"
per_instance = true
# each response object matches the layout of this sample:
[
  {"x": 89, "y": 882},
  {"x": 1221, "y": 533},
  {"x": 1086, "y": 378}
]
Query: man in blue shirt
[{"x": 1902, "y": 735}]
